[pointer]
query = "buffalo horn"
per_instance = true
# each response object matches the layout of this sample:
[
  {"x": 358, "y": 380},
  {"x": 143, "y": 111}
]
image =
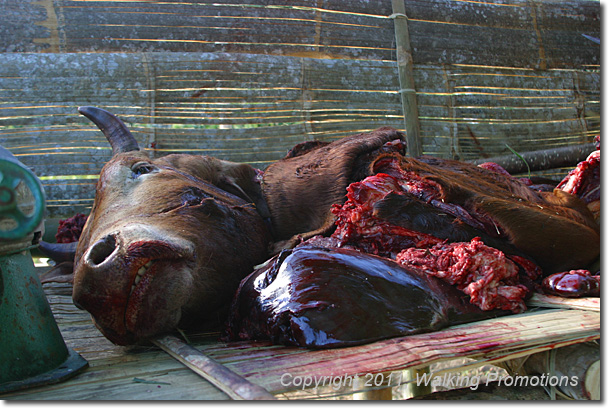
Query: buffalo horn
[
  {"x": 114, "y": 129},
  {"x": 59, "y": 252}
]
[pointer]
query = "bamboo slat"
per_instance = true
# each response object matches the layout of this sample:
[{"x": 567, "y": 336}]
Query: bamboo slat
[
  {"x": 549, "y": 301},
  {"x": 490, "y": 341}
]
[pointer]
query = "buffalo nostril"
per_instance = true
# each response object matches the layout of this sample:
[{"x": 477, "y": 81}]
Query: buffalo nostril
[{"x": 101, "y": 250}]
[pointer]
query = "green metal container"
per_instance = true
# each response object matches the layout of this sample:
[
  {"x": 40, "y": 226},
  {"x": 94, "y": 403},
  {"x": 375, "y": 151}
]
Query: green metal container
[{"x": 32, "y": 350}]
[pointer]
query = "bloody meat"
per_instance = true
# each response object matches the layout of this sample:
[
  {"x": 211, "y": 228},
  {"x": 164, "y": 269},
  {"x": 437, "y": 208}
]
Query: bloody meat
[
  {"x": 572, "y": 284},
  {"x": 358, "y": 225},
  {"x": 70, "y": 229},
  {"x": 584, "y": 182},
  {"x": 484, "y": 273}
]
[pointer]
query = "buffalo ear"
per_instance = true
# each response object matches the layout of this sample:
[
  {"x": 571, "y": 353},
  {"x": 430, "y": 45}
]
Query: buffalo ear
[{"x": 242, "y": 180}]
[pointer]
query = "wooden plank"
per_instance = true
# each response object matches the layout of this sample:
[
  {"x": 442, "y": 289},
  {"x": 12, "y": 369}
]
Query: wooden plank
[
  {"x": 542, "y": 159},
  {"x": 152, "y": 380},
  {"x": 115, "y": 372}
]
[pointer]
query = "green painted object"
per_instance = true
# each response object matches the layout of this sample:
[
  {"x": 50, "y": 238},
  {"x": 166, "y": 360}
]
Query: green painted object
[
  {"x": 12, "y": 174},
  {"x": 32, "y": 350},
  {"x": 29, "y": 336}
]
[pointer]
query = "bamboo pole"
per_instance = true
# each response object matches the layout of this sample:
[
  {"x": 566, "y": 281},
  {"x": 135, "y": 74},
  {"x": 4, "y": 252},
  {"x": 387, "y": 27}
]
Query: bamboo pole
[
  {"x": 369, "y": 388},
  {"x": 542, "y": 159},
  {"x": 415, "y": 390},
  {"x": 404, "y": 61},
  {"x": 365, "y": 392},
  {"x": 235, "y": 386}
]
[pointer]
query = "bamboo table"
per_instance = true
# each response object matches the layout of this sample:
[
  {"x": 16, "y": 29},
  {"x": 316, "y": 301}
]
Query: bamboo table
[{"x": 149, "y": 373}]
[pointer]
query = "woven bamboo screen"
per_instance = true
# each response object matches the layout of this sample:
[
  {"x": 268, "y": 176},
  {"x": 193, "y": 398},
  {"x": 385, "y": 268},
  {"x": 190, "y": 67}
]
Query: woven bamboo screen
[{"x": 246, "y": 80}]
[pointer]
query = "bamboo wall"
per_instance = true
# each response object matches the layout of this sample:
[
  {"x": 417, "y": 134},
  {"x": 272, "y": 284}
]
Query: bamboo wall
[{"x": 246, "y": 80}]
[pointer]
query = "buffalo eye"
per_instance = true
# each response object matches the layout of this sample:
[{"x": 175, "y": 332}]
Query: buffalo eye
[{"x": 141, "y": 168}]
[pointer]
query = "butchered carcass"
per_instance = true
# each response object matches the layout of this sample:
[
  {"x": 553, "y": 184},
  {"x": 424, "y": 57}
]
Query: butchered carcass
[
  {"x": 169, "y": 239},
  {"x": 419, "y": 202},
  {"x": 301, "y": 188},
  {"x": 444, "y": 222}
]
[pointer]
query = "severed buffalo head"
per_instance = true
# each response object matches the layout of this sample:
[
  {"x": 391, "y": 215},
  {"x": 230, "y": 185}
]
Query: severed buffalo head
[{"x": 167, "y": 240}]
